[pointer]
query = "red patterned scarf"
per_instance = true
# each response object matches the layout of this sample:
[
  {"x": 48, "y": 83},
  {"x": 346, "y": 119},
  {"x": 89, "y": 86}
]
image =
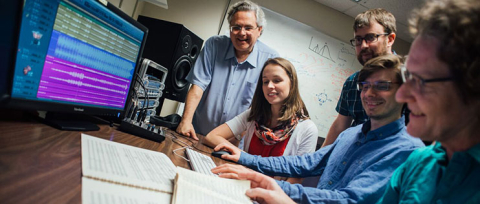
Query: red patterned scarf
[{"x": 276, "y": 134}]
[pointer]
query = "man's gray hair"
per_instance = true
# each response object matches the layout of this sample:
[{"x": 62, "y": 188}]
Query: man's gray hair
[{"x": 248, "y": 6}]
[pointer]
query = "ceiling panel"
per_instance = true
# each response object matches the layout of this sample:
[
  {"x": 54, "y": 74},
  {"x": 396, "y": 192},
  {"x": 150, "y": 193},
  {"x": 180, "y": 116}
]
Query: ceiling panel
[
  {"x": 353, "y": 12},
  {"x": 339, "y": 5},
  {"x": 401, "y": 9}
]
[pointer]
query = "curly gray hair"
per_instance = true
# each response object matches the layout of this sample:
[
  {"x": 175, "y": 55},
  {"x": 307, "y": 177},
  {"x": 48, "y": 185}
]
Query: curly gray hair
[{"x": 455, "y": 24}]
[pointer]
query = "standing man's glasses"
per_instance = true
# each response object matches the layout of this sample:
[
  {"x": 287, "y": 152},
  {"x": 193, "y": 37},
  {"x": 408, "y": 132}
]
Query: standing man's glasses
[
  {"x": 417, "y": 81},
  {"x": 369, "y": 38},
  {"x": 237, "y": 29}
]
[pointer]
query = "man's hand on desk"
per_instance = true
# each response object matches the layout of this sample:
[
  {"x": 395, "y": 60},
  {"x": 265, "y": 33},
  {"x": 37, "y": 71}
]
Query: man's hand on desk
[
  {"x": 229, "y": 147},
  {"x": 187, "y": 129},
  {"x": 230, "y": 171},
  {"x": 264, "y": 189}
]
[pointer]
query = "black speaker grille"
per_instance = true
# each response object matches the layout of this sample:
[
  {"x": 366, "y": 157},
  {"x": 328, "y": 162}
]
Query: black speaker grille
[{"x": 176, "y": 48}]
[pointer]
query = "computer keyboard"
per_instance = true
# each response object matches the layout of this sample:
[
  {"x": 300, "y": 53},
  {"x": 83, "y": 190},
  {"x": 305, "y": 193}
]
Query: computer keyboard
[{"x": 200, "y": 163}]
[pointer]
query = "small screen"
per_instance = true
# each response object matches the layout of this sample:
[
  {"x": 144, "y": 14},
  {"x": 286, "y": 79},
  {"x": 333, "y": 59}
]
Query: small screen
[{"x": 75, "y": 52}]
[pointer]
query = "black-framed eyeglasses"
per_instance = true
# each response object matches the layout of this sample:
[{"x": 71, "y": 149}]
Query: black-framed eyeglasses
[
  {"x": 369, "y": 38},
  {"x": 237, "y": 29},
  {"x": 377, "y": 85},
  {"x": 417, "y": 81}
]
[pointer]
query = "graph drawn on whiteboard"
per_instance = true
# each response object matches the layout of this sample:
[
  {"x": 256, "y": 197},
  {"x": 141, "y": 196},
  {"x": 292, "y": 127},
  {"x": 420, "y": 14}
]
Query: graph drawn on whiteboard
[
  {"x": 323, "y": 51},
  {"x": 322, "y": 63}
]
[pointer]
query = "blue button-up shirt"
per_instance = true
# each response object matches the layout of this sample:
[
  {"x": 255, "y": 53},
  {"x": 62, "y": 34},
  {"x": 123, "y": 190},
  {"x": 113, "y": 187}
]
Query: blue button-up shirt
[
  {"x": 428, "y": 177},
  {"x": 228, "y": 85},
  {"x": 355, "y": 168}
]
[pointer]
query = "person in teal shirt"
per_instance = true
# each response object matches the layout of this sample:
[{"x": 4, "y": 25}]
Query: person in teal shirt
[{"x": 441, "y": 87}]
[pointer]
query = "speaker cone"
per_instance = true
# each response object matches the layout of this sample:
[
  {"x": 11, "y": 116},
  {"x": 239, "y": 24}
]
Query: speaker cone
[
  {"x": 194, "y": 52},
  {"x": 180, "y": 71}
]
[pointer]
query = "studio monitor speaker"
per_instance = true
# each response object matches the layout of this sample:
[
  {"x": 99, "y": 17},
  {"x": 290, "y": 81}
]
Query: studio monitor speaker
[{"x": 176, "y": 48}]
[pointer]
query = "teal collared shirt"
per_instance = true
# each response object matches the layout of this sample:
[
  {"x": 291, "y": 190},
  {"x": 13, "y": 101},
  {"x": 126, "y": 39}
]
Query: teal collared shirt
[{"x": 428, "y": 177}]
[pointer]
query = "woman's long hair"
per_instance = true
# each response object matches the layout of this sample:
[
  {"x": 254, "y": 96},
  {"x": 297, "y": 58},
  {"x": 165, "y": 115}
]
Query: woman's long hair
[{"x": 293, "y": 105}]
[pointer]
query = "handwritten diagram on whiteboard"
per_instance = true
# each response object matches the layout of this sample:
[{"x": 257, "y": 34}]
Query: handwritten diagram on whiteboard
[{"x": 322, "y": 62}]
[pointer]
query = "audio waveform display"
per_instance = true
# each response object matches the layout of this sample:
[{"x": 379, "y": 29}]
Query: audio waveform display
[
  {"x": 70, "y": 64},
  {"x": 83, "y": 76},
  {"x": 79, "y": 25},
  {"x": 71, "y": 82},
  {"x": 81, "y": 83},
  {"x": 70, "y": 49}
]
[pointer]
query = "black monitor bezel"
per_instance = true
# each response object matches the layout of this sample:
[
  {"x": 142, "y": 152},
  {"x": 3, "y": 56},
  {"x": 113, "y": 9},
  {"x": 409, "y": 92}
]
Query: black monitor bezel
[{"x": 36, "y": 105}]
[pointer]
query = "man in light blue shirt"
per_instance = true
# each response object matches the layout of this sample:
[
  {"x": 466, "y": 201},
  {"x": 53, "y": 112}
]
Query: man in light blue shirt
[
  {"x": 226, "y": 72},
  {"x": 358, "y": 165}
]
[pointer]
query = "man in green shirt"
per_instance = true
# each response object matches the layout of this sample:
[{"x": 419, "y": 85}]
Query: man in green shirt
[{"x": 441, "y": 87}]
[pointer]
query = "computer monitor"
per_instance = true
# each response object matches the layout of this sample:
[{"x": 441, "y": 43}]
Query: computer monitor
[{"x": 75, "y": 56}]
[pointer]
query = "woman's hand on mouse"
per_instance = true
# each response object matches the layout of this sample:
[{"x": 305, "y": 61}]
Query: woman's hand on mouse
[{"x": 229, "y": 147}]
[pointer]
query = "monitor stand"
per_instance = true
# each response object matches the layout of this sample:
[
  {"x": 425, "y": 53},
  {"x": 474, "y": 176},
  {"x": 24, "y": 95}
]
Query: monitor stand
[{"x": 69, "y": 121}]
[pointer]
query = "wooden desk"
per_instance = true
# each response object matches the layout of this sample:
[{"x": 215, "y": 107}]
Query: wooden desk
[{"x": 40, "y": 164}]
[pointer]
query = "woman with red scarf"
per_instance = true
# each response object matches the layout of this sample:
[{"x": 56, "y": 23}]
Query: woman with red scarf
[{"x": 277, "y": 122}]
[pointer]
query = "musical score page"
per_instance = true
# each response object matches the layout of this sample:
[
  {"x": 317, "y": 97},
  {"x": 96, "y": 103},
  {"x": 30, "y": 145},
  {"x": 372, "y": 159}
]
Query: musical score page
[{"x": 123, "y": 164}]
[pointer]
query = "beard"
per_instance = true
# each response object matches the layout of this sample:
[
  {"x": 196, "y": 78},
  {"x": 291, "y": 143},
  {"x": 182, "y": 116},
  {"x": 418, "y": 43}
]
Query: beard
[{"x": 381, "y": 50}]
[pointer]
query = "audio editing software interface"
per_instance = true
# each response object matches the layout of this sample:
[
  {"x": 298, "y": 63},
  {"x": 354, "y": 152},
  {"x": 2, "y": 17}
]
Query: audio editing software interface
[{"x": 76, "y": 52}]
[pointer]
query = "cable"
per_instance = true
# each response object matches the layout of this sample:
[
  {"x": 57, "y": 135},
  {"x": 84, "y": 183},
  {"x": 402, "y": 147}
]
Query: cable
[
  {"x": 144, "y": 109},
  {"x": 194, "y": 146},
  {"x": 145, "y": 93},
  {"x": 133, "y": 103},
  {"x": 145, "y": 100},
  {"x": 183, "y": 143}
]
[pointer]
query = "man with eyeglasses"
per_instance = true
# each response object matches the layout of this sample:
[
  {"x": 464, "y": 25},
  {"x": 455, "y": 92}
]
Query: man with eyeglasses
[
  {"x": 442, "y": 90},
  {"x": 226, "y": 72},
  {"x": 357, "y": 166},
  {"x": 374, "y": 32}
]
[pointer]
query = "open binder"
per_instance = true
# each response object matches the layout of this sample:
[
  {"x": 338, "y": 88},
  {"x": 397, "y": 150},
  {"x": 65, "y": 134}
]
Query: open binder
[{"x": 119, "y": 173}]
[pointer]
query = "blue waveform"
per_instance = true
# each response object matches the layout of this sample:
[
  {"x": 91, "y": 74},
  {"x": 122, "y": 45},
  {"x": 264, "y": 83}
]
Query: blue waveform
[
  {"x": 80, "y": 84},
  {"x": 83, "y": 76},
  {"x": 76, "y": 51}
]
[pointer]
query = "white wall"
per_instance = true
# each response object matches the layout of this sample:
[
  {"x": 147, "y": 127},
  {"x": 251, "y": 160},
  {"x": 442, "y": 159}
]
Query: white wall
[
  {"x": 128, "y": 6},
  {"x": 203, "y": 17}
]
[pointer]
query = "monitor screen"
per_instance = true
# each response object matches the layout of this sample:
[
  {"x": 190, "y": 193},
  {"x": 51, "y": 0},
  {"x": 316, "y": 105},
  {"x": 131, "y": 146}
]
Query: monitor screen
[{"x": 75, "y": 55}]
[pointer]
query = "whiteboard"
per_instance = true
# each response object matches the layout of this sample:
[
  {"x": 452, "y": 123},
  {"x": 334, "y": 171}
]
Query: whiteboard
[{"x": 322, "y": 63}]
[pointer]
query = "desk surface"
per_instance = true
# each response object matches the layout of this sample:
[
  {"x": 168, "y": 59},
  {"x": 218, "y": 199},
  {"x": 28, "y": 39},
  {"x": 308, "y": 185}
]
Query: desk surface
[{"x": 40, "y": 164}]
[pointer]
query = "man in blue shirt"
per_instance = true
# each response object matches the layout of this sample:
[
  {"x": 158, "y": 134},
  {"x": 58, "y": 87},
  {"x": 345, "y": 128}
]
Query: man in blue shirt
[
  {"x": 358, "y": 165},
  {"x": 226, "y": 72},
  {"x": 374, "y": 35}
]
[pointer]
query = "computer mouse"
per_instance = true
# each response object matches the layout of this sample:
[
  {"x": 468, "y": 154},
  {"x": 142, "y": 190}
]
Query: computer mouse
[{"x": 220, "y": 153}]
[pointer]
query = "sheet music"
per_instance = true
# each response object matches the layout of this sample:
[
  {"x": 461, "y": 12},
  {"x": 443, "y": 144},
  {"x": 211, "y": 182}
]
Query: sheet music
[
  {"x": 193, "y": 187},
  {"x": 104, "y": 193},
  {"x": 125, "y": 164}
]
